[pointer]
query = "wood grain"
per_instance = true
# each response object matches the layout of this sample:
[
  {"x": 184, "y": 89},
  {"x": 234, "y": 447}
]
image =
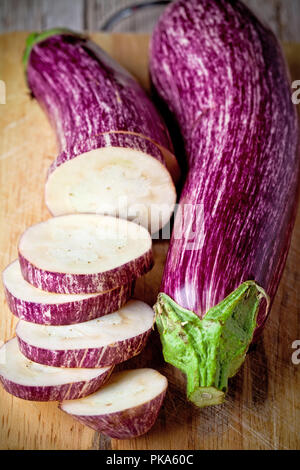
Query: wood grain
[
  {"x": 283, "y": 16},
  {"x": 41, "y": 14},
  {"x": 262, "y": 408}
]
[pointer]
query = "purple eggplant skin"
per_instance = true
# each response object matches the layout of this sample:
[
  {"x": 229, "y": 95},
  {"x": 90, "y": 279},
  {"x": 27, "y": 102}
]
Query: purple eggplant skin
[
  {"x": 85, "y": 94},
  {"x": 87, "y": 358},
  {"x": 69, "y": 391},
  {"x": 223, "y": 76},
  {"x": 69, "y": 313},
  {"x": 63, "y": 283},
  {"x": 125, "y": 424}
]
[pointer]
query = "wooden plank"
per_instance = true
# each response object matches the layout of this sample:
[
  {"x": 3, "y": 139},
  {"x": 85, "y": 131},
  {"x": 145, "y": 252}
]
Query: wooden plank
[
  {"x": 41, "y": 14},
  {"x": 16, "y": 15},
  {"x": 68, "y": 13},
  {"x": 283, "y": 16},
  {"x": 262, "y": 408}
]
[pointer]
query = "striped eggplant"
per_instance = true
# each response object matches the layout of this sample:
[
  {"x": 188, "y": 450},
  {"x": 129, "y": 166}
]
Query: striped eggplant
[
  {"x": 84, "y": 253},
  {"x": 104, "y": 118},
  {"x": 126, "y": 407},
  {"x": 47, "y": 308},
  {"x": 112, "y": 339},
  {"x": 224, "y": 79},
  {"x": 28, "y": 380}
]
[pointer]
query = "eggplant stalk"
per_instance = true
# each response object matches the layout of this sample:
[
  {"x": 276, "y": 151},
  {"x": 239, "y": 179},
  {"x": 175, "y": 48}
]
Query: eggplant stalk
[{"x": 212, "y": 349}]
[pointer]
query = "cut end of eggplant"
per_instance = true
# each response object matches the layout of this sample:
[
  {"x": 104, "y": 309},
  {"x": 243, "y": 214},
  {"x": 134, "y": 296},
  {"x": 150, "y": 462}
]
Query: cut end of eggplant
[
  {"x": 212, "y": 349},
  {"x": 126, "y": 406},
  {"x": 125, "y": 390},
  {"x": 84, "y": 253},
  {"x": 31, "y": 381},
  {"x": 83, "y": 243},
  {"x": 116, "y": 181}
]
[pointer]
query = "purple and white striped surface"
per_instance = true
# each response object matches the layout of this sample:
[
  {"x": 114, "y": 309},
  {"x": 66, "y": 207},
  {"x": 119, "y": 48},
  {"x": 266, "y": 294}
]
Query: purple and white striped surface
[{"x": 223, "y": 76}]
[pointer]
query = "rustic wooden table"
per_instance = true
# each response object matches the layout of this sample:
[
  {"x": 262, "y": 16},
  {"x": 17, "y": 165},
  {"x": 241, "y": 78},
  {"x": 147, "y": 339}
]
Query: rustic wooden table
[
  {"x": 262, "y": 410},
  {"x": 283, "y": 16}
]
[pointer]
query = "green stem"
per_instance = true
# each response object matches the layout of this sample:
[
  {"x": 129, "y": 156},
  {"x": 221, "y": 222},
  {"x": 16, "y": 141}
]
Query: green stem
[
  {"x": 212, "y": 349},
  {"x": 34, "y": 38}
]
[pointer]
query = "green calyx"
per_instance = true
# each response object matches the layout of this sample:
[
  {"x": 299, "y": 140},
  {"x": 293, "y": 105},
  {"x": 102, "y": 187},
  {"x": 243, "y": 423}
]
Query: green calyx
[
  {"x": 34, "y": 38},
  {"x": 212, "y": 349}
]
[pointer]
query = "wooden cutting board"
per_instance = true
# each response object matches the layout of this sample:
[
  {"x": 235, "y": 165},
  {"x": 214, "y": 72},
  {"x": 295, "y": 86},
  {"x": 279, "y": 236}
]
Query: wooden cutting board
[{"x": 262, "y": 407}]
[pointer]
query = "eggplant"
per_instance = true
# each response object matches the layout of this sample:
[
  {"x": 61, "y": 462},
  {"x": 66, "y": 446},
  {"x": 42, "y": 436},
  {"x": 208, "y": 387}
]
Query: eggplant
[
  {"x": 114, "y": 148},
  {"x": 223, "y": 77},
  {"x": 28, "y": 380},
  {"x": 101, "y": 342},
  {"x": 125, "y": 407},
  {"x": 47, "y": 308},
  {"x": 84, "y": 253}
]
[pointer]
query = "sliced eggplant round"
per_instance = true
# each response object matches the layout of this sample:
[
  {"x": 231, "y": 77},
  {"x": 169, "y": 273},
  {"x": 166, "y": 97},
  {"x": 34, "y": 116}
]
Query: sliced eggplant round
[
  {"x": 31, "y": 381},
  {"x": 84, "y": 253},
  {"x": 101, "y": 342},
  {"x": 118, "y": 178},
  {"x": 126, "y": 406},
  {"x": 48, "y": 308}
]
